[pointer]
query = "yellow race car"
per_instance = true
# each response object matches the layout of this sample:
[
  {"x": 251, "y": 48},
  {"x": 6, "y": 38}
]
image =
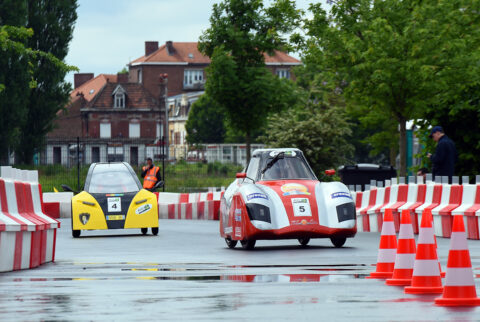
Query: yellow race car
[{"x": 113, "y": 198}]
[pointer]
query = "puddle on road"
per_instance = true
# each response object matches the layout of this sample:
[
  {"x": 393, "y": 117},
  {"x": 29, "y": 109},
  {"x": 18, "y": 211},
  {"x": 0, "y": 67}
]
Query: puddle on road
[{"x": 246, "y": 278}]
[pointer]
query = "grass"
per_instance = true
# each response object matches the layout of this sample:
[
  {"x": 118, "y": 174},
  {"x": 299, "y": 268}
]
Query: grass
[{"x": 180, "y": 177}]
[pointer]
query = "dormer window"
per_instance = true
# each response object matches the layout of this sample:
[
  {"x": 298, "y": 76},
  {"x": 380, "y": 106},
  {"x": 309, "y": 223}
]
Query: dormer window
[{"x": 119, "y": 96}]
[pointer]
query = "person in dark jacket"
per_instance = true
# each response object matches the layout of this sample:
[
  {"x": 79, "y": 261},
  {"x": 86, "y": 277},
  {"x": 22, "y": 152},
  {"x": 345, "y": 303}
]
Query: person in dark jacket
[{"x": 445, "y": 156}]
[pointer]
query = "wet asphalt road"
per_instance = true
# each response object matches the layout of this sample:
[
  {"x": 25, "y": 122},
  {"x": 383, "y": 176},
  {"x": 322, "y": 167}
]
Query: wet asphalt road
[{"x": 187, "y": 273}]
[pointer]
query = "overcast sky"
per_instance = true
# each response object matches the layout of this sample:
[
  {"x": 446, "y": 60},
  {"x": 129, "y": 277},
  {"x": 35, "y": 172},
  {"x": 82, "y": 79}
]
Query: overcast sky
[{"x": 110, "y": 33}]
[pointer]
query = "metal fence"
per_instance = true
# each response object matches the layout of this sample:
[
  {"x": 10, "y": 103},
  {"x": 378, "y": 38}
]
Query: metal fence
[{"x": 66, "y": 161}]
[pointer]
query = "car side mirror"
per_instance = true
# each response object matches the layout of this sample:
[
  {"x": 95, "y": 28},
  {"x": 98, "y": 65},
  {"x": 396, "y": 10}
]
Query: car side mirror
[
  {"x": 241, "y": 175},
  {"x": 67, "y": 188},
  {"x": 330, "y": 172}
]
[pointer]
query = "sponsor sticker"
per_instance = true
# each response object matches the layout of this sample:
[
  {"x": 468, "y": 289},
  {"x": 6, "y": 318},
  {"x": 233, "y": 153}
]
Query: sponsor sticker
[
  {"x": 84, "y": 217},
  {"x": 304, "y": 222},
  {"x": 238, "y": 217},
  {"x": 238, "y": 231},
  {"x": 115, "y": 217},
  {"x": 341, "y": 194},
  {"x": 301, "y": 207},
  {"x": 114, "y": 195},
  {"x": 285, "y": 153},
  {"x": 228, "y": 230},
  {"x": 292, "y": 189},
  {"x": 143, "y": 209},
  {"x": 257, "y": 195},
  {"x": 238, "y": 211},
  {"x": 114, "y": 204}
]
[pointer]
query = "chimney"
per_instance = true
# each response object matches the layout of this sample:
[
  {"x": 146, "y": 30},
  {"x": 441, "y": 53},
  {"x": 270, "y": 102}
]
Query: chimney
[
  {"x": 122, "y": 78},
  {"x": 150, "y": 47},
  {"x": 170, "y": 48},
  {"x": 80, "y": 78}
]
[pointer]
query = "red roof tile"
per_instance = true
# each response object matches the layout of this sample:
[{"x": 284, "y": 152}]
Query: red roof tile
[
  {"x": 187, "y": 52},
  {"x": 137, "y": 96},
  {"x": 91, "y": 88}
]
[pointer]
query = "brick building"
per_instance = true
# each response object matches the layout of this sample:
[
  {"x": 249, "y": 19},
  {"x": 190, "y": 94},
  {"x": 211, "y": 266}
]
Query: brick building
[{"x": 123, "y": 116}]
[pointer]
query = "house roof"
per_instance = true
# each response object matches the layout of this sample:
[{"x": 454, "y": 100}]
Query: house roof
[
  {"x": 137, "y": 96},
  {"x": 91, "y": 88},
  {"x": 188, "y": 53}
]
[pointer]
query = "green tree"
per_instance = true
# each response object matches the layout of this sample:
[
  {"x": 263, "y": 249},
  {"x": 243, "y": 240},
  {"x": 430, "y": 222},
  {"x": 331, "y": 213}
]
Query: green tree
[
  {"x": 15, "y": 78},
  {"x": 205, "y": 122},
  {"x": 53, "y": 23},
  {"x": 320, "y": 130},
  {"x": 240, "y": 33},
  {"x": 395, "y": 57}
]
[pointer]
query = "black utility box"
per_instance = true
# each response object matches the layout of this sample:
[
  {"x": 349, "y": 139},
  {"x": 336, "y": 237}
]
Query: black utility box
[{"x": 363, "y": 173}]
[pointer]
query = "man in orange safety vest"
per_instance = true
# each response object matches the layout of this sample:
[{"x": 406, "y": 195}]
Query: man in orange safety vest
[{"x": 150, "y": 174}]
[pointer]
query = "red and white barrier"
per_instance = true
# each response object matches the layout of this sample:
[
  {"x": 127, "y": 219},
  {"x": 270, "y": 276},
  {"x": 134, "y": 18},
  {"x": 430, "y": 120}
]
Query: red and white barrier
[
  {"x": 374, "y": 213},
  {"x": 469, "y": 206},
  {"x": 398, "y": 197},
  {"x": 58, "y": 200},
  {"x": 415, "y": 198},
  {"x": 433, "y": 196},
  {"x": 27, "y": 235},
  {"x": 190, "y": 206}
]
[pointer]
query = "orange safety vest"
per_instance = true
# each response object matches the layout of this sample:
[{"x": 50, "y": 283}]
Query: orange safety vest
[{"x": 150, "y": 177}]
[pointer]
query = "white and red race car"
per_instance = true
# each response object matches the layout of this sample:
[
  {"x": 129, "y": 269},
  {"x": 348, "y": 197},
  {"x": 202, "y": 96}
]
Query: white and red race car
[{"x": 279, "y": 197}]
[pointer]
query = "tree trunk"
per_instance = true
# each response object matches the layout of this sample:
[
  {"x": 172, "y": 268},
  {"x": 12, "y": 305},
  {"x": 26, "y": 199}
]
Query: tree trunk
[
  {"x": 403, "y": 147},
  {"x": 248, "y": 139}
]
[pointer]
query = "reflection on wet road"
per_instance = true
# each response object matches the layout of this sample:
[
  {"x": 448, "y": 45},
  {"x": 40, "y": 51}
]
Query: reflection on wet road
[{"x": 187, "y": 273}]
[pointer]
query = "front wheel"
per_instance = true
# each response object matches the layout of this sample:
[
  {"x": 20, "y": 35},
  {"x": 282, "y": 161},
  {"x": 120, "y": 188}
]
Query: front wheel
[
  {"x": 230, "y": 243},
  {"x": 154, "y": 231},
  {"x": 144, "y": 231},
  {"x": 338, "y": 241},
  {"x": 248, "y": 244},
  {"x": 304, "y": 241},
  {"x": 76, "y": 233}
]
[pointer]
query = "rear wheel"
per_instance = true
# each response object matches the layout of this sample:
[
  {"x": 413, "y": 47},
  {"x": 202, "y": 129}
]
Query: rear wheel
[
  {"x": 338, "y": 241},
  {"x": 248, "y": 244},
  {"x": 231, "y": 243},
  {"x": 76, "y": 233},
  {"x": 304, "y": 241},
  {"x": 155, "y": 231},
  {"x": 144, "y": 231}
]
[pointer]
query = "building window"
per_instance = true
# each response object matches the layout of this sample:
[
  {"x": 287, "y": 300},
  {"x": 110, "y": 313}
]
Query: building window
[
  {"x": 159, "y": 130},
  {"x": 283, "y": 73},
  {"x": 134, "y": 130},
  {"x": 139, "y": 76},
  {"x": 95, "y": 154},
  {"x": 115, "y": 154},
  {"x": 119, "y": 100},
  {"x": 105, "y": 130},
  {"x": 57, "y": 155},
  {"x": 192, "y": 76}
]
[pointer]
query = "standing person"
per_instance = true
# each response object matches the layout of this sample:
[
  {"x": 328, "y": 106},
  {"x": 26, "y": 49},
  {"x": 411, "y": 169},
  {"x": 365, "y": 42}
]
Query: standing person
[
  {"x": 445, "y": 156},
  {"x": 150, "y": 174}
]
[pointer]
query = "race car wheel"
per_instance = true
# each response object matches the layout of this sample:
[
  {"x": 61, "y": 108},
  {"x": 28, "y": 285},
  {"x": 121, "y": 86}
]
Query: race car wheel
[
  {"x": 76, "y": 233},
  {"x": 155, "y": 231},
  {"x": 144, "y": 231},
  {"x": 248, "y": 244},
  {"x": 338, "y": 241},
  {"x": 231, "y": 243},
  {"x": 304, "y": 241}
]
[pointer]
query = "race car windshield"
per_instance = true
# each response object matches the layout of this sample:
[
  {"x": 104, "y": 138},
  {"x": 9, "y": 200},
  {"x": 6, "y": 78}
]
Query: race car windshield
[
  {"x": 287, "y": 168},
  {"x": 112, "y": 179}
]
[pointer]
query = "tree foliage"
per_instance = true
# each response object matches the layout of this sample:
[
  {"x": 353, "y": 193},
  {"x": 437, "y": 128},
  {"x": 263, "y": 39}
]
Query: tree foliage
[
  {"x": 393, "y": 58},
  {"x": 240, "y": 33},
  {"x": 53, "y": 22},
  {"x": 205, "y": 122},
  {"x": 319, "y": 129},
  {"x": 32, "y": 70}
]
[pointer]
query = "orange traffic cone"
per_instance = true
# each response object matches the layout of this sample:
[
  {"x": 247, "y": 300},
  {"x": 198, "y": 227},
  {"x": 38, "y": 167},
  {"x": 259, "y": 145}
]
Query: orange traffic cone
[
  {"x": 403, "y": 270},
  {"x": 428, "y": 211},
  {"x": 459, "y": 287},
  {"x": 387, "y": 249},
  {"x": 426, "y": 273}
]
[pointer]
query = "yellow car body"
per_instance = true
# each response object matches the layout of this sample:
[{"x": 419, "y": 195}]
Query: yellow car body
[{"x": 113, "y": 199}]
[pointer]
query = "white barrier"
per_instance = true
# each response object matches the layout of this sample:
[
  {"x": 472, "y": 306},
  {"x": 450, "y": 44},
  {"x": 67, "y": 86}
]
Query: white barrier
[
  {"x": 27, "y": 235},
  {"x": 63, "y": 198}
]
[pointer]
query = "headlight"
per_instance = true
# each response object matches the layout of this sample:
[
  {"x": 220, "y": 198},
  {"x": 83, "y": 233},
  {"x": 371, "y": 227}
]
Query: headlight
[
  {"x": 258, "y": 212},
  {"x": 346, "y": 211}
]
